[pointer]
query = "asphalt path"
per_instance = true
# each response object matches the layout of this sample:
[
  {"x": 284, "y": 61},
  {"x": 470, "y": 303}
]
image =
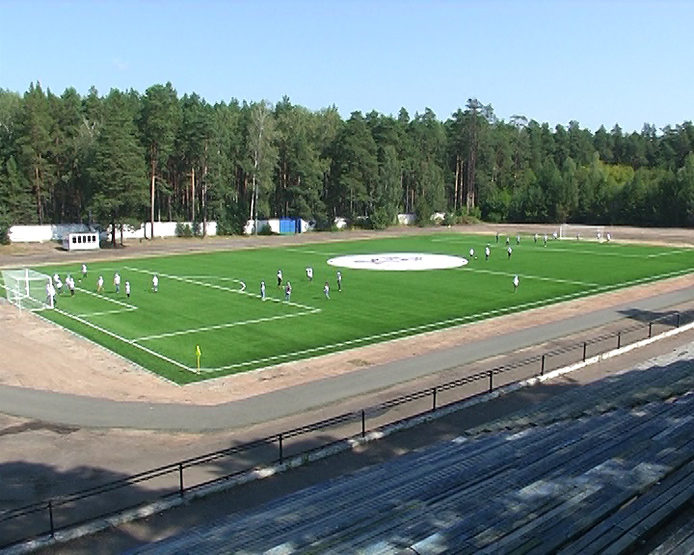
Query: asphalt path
[{"x": 83, "y": 411}]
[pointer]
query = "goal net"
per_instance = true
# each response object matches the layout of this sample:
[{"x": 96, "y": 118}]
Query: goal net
[
  {"x": 582, "y": 232},
  {"x": 27, "y": 289}
]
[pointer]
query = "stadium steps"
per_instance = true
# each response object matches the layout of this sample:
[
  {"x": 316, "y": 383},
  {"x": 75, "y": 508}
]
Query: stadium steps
[
  {"x": 628, "y": 389},
  {"x": 523, "y": 492},
  {"x": 679, "y": 541},
  {"x": 524, "y": 514},
  {"x": 623, "y": 530}
]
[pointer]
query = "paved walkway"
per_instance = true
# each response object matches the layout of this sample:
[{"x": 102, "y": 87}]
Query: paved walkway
[{"x": 74, "y": 410}]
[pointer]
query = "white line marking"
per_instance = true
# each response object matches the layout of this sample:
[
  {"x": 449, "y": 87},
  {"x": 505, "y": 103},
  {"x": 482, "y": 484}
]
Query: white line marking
[
  {"x": 222, "y": 288},
  {"x": 306, "y": 309},
  {"x": 124, "y": 340},
  {"x": 541, "y": 278},
  {"x": 310, "y": 251},
  {"x": 105, "y": 298},
  {"x": 666, "y": 253},
  {"x": 443, "y": 324},
  {"x": 104, "y": 312},
  {"x": 597, "y": 252},
  {"x": 223, "y": 326}
]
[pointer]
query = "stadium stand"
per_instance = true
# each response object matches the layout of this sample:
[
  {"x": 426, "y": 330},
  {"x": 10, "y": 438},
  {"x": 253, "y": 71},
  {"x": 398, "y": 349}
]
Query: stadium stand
[{"x": 605, "y": 468}]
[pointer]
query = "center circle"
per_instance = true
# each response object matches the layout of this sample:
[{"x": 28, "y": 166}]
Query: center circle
[{"x": 398, "y": 261}]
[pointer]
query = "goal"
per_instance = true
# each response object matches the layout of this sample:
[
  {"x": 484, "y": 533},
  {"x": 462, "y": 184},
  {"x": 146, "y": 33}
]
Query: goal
[
  {"x": 27, "y": 289},
  {"x": 582, "y": 232}
]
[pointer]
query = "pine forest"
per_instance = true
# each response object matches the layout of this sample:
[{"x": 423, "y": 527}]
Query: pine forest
[{"x": 127, "y": 157}]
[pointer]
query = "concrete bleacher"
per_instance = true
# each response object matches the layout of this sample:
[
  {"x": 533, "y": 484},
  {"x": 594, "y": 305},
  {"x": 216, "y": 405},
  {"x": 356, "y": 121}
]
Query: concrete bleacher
[{"x": 597, "y": 469}]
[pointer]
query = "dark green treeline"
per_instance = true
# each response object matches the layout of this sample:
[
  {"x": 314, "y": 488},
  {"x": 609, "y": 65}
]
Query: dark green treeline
[{"x": 129, "y": 157}]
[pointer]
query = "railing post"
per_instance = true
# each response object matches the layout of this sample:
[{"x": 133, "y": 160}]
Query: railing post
[
  {"x": 491, "y": 383},
  {"x": 542, "y": 368},
  {"x": 281, "y": 449},
  {"x": 619, "y": 339},
  {"x": 433, "y": 408},
  {"x": 650, "y": 329},
  {"x": 363, "y": 423},
  {"x": 678, "y": 319},
  {"x": 584, "y": 351},
  {"x": 50, "y": 517},
  {"x": 180, "y": 479}
]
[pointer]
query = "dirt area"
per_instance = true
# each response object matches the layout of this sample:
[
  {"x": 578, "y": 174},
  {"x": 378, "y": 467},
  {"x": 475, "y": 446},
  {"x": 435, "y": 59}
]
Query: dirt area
[{"x": 40, "y": 355}]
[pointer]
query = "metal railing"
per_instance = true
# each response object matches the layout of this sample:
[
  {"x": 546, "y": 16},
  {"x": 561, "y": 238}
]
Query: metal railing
[{"x": 187, "y": 476}]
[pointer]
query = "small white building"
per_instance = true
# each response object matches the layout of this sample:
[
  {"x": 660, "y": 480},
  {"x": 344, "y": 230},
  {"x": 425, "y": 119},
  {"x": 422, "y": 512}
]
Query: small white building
[{"x": 81, "y": 241}]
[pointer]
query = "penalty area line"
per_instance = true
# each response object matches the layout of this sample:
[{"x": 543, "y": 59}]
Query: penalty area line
[
  {"x": 241, "y": 291},
  {"x": 224, "y": 326},
  {"x": 126, "y": 341},
  {"x": 105, "y": 298}
]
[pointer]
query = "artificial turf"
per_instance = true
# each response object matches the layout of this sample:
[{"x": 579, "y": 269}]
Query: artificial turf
[{"x": 200, "y": 302}]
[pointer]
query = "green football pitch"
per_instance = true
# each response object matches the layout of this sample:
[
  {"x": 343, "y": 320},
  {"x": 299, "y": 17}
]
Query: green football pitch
[{"x": 212, "y": 300}]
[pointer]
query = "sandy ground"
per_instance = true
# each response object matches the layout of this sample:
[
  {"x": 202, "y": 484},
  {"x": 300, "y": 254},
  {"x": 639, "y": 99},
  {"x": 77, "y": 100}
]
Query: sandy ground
[{"x": 40, "y": 355}]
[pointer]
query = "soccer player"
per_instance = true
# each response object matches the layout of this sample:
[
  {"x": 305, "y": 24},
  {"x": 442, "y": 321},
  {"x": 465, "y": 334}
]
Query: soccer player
[
  {"x": 487, "y": 252},
  {"x": 127, "y": 288},
  {"x": 100, "y": 284},
  {"x": 518, "y": 239},
  {"x": 84, "y": 271},
  {"x": 508, "y": 241},
  {"x": 70, "y": 282},
  {"x": 58, "y": 284},
  {"x": 262, "y": 290},
  {"x": 544, "y": 239},
  {"x": 339, "y": 281},
  {"x": 510, "y": 252},
  {"x": 279, "y": 278},
  {"x": 516, "y": 282},
  {"x": 56, "y": 278},
  {"x": 608, "y": 237},
  {"x": 535, "y": 238},
  {"x": 155, "y": 283},
  {"x": 497, "y": 236},
  {"x": 326, "y": 290},
  {"x": 472, "y": 254},
  {"x": 116, "y": 281},
  {"x": 288, "y": 292},
  {"x": 309, "y": 273}
]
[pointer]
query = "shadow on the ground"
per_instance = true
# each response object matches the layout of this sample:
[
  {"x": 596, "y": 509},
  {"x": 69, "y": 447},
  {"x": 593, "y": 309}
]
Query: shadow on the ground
[
  {"x": 659, "y": 316},
  {"x": 22, "y": 483}
]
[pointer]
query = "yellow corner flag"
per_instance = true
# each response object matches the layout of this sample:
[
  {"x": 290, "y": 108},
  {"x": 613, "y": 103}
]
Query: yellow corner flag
[{"x": 198, "y": 354}]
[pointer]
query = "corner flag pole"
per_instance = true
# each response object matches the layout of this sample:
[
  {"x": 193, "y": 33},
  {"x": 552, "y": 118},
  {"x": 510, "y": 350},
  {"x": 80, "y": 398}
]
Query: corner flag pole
[{"x": 198, "y": 354}]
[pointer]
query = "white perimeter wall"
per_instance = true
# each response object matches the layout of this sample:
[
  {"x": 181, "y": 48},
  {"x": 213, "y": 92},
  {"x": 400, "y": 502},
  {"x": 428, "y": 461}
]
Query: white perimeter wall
[
  {"x": 41, "y": 233},
  {"x": 161, "y": 229},
  {"x": 56, "y": 232}
]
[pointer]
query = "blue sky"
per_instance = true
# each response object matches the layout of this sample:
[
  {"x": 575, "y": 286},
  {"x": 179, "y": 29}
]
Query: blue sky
[{"x": 594, "y": 62}]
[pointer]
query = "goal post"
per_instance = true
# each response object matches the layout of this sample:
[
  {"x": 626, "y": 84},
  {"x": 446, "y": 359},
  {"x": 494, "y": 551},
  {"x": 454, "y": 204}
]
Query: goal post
[
  {"x": 582, "y": 232},
  {"x": 27, "y": 289}
]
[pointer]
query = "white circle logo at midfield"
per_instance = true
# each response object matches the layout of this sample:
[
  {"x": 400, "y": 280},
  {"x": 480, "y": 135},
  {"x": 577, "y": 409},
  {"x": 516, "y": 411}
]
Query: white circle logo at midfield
[{"x": 398, "y": 261}]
